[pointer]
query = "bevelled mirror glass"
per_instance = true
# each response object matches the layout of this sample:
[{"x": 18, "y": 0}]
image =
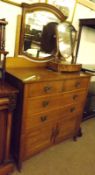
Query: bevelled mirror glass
[
  {"x": 38, "y": 31},
  {"x": 35, "y": 24}
]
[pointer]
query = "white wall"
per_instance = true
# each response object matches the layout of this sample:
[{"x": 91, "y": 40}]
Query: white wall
[
  {"x": 10, "y": 12},
  {"x": 86, "y": 53},
  {"x": 82, "y": 12}
]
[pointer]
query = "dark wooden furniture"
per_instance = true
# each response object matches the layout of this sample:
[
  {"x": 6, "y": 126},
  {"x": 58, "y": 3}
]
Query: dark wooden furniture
[
  {"x": 90, "y": 22},
  {"x": 49, "y": 108},
  {"x": 3, "y": 23},
  {"x": 89, "y": 110},
  {"x": 7, "y": 106},
  {"x": 3, "y": 53},
  {"x": 3, "y": 64}
]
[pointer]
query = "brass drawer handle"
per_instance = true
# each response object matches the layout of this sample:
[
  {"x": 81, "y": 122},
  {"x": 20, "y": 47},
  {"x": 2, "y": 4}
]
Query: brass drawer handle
[
  {"x": 77, "y": 85},
  {"x": 43, "y": 118},
  {"x": 47, "y": 89},
  {"x": 75, "y": 97},
  {"x": 45, "y": 103},
  {"x": 72, "y": 109}
]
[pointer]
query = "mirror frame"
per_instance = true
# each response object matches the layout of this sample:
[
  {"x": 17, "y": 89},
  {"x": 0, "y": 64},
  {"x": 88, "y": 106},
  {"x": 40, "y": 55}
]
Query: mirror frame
[{"x": 27, "y": 8}]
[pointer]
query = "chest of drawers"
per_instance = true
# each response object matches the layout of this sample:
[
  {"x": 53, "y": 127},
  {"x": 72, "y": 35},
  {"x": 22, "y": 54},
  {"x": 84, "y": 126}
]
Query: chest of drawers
[{"x": 49, "y": 108}]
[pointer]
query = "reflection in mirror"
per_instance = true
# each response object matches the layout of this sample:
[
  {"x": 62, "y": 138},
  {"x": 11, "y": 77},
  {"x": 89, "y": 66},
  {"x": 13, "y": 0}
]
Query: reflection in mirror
[{"x": 40, "y": 37}]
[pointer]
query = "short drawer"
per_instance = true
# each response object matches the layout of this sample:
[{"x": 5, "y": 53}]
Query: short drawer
[
  {"x": 46, "y": 88},
  {"x": 43, "y": 88},
  {"x": 72, "y": 84},
  {"x": 53, "y": 116},
  {"x": 42, "y": 104}
]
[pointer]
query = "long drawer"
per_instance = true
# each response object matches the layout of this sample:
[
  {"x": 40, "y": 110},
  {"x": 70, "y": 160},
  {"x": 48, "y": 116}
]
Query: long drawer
[
  {"x": 44, "y": 118},
  {"x": 43, "y": 88},
  {"x": 40, "y": 104}
]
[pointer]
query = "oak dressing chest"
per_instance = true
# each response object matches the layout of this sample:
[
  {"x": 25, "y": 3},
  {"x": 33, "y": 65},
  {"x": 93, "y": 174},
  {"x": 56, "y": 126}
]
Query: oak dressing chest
[{"x": 49, "y": 108}]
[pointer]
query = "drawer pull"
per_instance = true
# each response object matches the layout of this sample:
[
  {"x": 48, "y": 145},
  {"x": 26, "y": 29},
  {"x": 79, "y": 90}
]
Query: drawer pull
[
  {"x": 72, "y": 109},
  {"x": 57, "y": 132},
  {"x": 52, "y": 138},
  {"x": 45, "y": 103},
  {"x": 77, "y": 85},
  {"x": 43, "y": 118},
  {"x": 62, "y": 89},
  {"x": 47, "y": 89},
  {"x": 75, "y": 97}
]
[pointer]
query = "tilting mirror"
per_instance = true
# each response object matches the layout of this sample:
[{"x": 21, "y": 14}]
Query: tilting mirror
[
  {"x": 46, "y": 36},
  {"x": 38, "y": 39},
  {"x": 66, "y": 37},
  {"x": 64, "y": 57}
]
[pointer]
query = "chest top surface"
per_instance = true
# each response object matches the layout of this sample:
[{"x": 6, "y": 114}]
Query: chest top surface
[{"x": 29, "y": 75}]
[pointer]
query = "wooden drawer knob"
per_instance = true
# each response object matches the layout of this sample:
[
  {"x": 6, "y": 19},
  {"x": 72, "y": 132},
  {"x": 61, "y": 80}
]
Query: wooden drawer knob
[
  {"x": 47, "y": 89},
  {"x": 45, "y": 103},
  {"x": 72, "y": 109},
  {"x": 75, "y": 97},
  {"x": 43, "y": 118}
]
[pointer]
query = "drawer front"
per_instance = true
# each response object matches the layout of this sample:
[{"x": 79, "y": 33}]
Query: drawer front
[
  {"x": 72, "y": 84},
  {"x": 42, "y": 119},
  {"x": 36, "y": 105},
  {"x": 43, "y": 88}
]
